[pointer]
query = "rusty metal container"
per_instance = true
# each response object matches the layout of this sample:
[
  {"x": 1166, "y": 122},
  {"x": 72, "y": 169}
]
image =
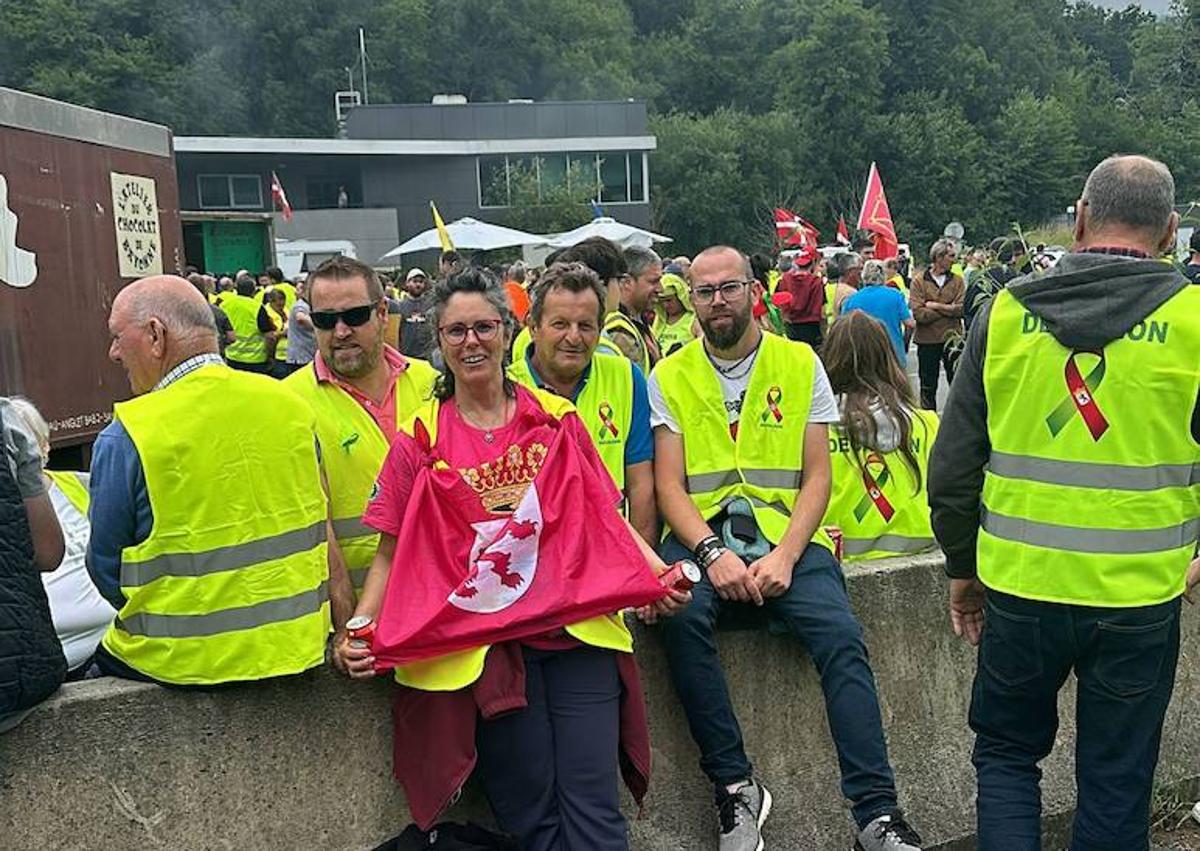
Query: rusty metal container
[{"x": 88, "y": 203}]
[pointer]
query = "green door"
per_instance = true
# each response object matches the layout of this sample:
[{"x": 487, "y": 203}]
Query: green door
[{"x": 229, "y": 246}]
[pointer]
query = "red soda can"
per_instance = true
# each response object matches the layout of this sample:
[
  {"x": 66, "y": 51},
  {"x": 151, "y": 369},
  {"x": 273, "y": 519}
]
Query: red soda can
[
  {"x": 835, "y": 533},
  {"x": 681, "y": 576},
  {"x": 361, "y": 630}
]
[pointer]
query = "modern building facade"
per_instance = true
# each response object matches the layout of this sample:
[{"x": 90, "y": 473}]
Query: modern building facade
[{"x": 394, "y": 159}]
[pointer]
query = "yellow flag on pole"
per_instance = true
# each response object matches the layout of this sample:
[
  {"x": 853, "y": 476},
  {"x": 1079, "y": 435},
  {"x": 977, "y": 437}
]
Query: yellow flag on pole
[{"x": 443, "y": 234}]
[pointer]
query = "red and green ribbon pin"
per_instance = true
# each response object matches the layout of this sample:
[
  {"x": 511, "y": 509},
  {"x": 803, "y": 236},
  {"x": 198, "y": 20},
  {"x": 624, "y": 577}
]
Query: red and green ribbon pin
[{"x": 1081, "y": 397}]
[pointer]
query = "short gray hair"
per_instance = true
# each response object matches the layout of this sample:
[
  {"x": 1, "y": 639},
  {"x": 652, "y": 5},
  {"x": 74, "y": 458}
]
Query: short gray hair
[
  {"x": 516, "y": 272},
  {"x": 638, "y": 260},
  {"x": 874, "y": 272},
  {"x": 942, "y": 247},
  {"x": 186, "y": 318},
  {"x": 1134, "y": 191}
]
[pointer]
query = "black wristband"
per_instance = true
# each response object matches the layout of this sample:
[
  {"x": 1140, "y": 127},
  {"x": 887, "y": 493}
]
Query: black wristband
[{"x": 704, "y": 547}]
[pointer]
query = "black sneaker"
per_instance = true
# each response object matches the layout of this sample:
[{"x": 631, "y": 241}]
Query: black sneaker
[{"x": 741, "y": 815}]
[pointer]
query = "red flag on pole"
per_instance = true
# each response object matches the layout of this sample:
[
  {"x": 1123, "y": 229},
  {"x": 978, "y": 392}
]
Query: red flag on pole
[
  {"x": 279, "y": 197},
  {"x": 794, "y": 230},
  {"x": 877, "y": 218},
  {"x": 843, "y": 235},
  {"x": 468, "y": 577}
]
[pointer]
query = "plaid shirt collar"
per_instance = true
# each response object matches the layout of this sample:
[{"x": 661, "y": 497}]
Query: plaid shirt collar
[{"x": 187, "y": 367}]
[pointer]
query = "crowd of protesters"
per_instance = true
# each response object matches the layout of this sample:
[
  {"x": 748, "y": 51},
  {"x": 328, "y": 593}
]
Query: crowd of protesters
[{"x": 687, "y": 413}]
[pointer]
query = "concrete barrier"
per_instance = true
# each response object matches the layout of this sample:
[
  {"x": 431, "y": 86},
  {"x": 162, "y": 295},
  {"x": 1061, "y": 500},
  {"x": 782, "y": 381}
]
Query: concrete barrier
[{"x": 306, "y": 763}]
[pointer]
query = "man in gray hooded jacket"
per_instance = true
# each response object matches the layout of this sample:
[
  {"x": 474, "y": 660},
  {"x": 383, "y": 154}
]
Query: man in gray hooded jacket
[{"x": 1064, "y": 491}]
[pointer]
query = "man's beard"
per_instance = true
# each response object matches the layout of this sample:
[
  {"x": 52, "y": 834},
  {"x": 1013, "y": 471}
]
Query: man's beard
[{"x": 727, "y": 338}]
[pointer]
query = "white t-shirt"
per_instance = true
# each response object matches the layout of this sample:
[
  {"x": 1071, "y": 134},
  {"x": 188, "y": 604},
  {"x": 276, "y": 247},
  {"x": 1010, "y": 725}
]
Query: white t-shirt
[
  {"x": 824, "y": 408},
  {"x": 940, "y": 280},
  {"x": 80, "y": 614}
]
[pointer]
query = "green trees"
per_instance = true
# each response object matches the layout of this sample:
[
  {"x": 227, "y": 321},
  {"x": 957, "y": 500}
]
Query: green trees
[{"x": 983, "y": 111}]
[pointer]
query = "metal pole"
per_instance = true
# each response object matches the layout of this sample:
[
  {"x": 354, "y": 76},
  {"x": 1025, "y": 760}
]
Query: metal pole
[{"x": 362, "y": 52}]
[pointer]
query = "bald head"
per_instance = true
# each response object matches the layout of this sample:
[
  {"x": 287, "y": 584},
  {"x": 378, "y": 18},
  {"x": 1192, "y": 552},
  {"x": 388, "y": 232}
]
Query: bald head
[
  {"x": 156, "y": 324},
  {"x": 1130, "y": 199},
  {"x": 173, "y": 302},
  {"x": 721, "y": 254}
]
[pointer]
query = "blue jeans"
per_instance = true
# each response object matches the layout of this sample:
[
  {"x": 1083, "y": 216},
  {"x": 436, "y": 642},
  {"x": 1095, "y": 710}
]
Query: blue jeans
[
  {"x": 550, "y": 771},
  {"x": 1124, "y": 661},
  {"x": 817, "y": 611}
]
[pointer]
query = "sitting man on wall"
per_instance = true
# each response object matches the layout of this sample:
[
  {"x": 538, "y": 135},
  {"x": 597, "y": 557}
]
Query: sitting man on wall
[
  {"x": 742, "y": 473},
  {"x": 208, "y": 541}
]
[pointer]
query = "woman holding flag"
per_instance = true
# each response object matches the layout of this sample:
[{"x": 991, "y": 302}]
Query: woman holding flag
[{"x": 502, "y": 556}]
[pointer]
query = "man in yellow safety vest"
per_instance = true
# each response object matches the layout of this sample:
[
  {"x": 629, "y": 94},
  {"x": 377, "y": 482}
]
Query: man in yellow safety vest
[
  {"x": 209, "y": 541},
  {"x": 742, "y": 474},
  {"x": 361, "y": 391},
  {"x": 1065, "y": 492},
  {"x": 608, "y": 391}
]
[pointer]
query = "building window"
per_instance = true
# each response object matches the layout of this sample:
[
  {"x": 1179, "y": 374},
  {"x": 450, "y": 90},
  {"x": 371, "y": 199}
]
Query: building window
[
  {"x": 493, "y": 182},
  {"x": 612, "y": 177},
  {"x": 230, "y": 191}
]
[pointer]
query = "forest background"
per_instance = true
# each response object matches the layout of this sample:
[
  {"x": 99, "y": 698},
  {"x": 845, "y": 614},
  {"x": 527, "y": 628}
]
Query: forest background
[{"x": 981, "y": 111}]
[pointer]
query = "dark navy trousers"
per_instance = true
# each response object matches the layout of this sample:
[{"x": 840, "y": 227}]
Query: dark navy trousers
[
  {"x": 817, "y": 611},
  {"x": 1124, "y": 661},
  {"x": 550, "y": 771}
]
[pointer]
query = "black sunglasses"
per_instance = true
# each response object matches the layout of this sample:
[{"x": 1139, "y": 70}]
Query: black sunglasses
[{"x": 327, "y": 320}]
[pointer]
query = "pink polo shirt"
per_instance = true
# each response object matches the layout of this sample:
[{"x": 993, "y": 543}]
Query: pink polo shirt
[{"x": 384, "y": 413}]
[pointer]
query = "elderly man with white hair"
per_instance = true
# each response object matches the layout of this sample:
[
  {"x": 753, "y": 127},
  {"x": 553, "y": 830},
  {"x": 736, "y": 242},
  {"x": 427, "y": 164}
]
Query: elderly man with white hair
[{"x": 209, "y": 542}]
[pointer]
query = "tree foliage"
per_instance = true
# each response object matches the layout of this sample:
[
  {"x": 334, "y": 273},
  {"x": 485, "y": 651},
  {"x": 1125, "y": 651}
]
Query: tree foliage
[{"x": 982, "y": 111}]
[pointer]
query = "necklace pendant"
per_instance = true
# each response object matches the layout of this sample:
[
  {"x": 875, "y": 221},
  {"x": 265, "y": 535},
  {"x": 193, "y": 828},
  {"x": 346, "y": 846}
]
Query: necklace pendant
[{"x": 488, "y": 437}]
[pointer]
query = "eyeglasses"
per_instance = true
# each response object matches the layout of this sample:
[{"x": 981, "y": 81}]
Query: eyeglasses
[
  {"x": 730, "y": 291},
  {"x": 327, "y": 320},
  {"x": 484, "y": 330}
]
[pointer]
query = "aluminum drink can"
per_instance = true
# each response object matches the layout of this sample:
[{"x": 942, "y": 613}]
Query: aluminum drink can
[
  {"x": 835, "y": 533},
  {"x": 361, "y": 630},
  {"x": 681, "y": 576}
]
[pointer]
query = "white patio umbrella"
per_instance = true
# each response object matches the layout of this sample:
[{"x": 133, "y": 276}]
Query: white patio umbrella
[
  {"x": 468, "y": 233},
  {"x": 622, "y": 234}
]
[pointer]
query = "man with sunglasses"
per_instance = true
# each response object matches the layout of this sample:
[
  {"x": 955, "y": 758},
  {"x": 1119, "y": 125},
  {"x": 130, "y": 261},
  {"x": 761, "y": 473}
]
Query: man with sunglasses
[
  {"x": 360, "y": 389},
  {"x": 742, "y": 475}
]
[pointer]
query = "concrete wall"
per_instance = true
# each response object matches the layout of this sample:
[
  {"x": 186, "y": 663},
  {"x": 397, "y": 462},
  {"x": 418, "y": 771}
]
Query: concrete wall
[{"x": 306, "y": 763}]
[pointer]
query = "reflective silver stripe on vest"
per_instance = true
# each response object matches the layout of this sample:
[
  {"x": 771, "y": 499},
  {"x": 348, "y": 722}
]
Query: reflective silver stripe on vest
[
  {"x": 233, "y": 557},
  {"x": 1080, "y": 474},
  {"x": 1078, "y": 539},
  {"x": 358, "y": 575},
  {"x": 351, "y": 527},
  {"x": 888, "y": 543},
  {"x": 151, "y": 625},
  {"x": 759, "y": 477}
]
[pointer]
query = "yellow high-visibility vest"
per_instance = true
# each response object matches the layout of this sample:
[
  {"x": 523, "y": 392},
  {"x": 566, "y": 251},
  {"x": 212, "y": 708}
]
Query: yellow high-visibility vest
[
  {"x": 250, "y": 345},
  {"x": 884, "y": 513},
  {"x": 460, "y": 669},
  {"x": 618, "y": 321},
  {"x": 353, "y": 450},
  {"x": 73, "y": 489},
  {"x": 765, "y": 465},
  {"x": 1092, "y": 492},
  {"x": 605, "y": 404},
  {"x": 232, "y": 583}
]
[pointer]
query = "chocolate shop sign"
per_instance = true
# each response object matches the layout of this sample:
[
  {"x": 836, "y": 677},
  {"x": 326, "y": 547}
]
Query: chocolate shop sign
[{"x": 135, "y": 215}]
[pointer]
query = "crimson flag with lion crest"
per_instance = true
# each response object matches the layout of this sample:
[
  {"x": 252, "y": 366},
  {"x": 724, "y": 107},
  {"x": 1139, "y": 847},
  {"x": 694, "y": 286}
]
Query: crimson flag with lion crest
[{"x": 516, "y": 547}]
